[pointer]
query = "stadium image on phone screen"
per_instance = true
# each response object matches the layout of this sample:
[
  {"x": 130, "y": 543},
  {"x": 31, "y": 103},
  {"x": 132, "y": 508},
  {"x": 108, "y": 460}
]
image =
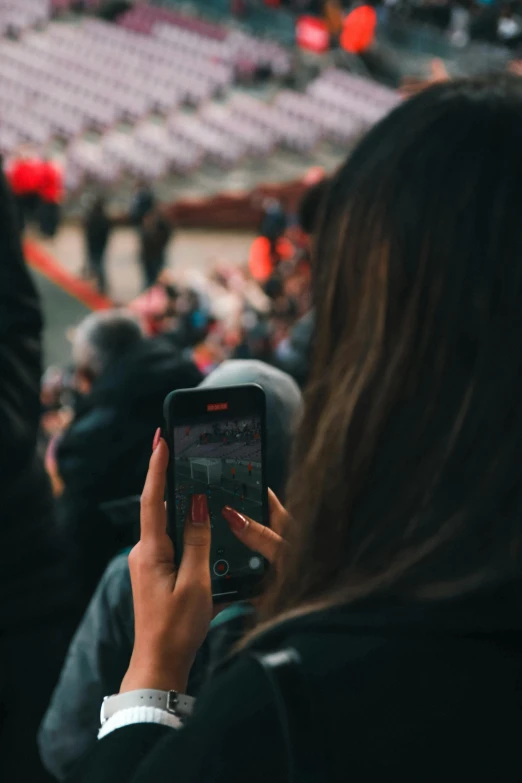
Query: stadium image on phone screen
[{"x": 222, "y": 460}]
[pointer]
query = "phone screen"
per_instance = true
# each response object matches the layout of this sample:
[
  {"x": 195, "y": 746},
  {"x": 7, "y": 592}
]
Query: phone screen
[{"x": 221, "y": 456}]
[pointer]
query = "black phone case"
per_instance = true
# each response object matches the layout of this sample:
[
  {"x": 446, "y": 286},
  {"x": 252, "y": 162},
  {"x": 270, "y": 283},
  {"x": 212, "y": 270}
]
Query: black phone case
[{"x": 174, "y": 532}]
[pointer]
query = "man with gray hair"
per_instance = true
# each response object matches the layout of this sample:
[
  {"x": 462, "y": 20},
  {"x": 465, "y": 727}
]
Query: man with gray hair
[
  {"x": 122, "y": 378},
  {"x": 101, "y": 339}
]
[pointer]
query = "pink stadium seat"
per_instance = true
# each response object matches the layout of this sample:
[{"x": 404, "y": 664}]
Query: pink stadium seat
[{"x": 68, "y": 79}]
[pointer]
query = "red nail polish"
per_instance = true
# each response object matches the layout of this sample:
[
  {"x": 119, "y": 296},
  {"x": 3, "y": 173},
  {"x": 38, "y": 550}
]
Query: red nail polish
[
  {"x": 199, "y": 510},
  {"x": 236, "y": 520},
  {"x": 157, "y": 438}
]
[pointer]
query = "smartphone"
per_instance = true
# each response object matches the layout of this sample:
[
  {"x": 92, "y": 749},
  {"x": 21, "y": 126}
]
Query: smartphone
[{"x": 217, "y": 440}]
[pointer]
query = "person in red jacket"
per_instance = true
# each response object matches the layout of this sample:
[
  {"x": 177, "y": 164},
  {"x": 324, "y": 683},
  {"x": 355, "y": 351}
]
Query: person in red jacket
[
  {"x": 358, "y": 33},
  {"x": 23, "y": 174},
  {"x": 51, "y": 195}
]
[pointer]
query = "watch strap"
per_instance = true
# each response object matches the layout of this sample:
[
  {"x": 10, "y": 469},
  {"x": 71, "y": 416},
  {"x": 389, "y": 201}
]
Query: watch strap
[{"x": 178, "y": 704}]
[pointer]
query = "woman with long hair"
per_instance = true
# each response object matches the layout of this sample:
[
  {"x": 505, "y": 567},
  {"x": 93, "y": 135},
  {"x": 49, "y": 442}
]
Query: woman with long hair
[{"x": 389, "y": 646}]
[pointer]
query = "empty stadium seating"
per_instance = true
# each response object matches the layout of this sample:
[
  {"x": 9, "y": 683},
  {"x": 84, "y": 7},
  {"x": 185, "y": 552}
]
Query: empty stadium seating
[
  {"x": 16, "y": 16},
  {"x": 70, "y": 79},
  {"x": 199, "y": 37}
]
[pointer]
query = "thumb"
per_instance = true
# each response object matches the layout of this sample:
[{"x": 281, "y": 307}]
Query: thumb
[
  {"x": 195, "y": 563},
  {"x": 259, "y": 538}
]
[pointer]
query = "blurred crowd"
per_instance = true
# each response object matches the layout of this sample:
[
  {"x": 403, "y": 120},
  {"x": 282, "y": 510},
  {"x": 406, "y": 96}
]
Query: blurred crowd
[
  {"x": 470, "y": 20},
  {"x": 250, "y": 311}
]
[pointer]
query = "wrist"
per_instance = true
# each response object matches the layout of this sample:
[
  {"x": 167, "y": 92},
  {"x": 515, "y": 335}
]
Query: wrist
[{"x": 155, "y": 675}]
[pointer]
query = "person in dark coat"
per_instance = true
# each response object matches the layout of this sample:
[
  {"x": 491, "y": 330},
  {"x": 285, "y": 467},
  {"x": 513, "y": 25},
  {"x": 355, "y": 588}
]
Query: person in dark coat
[
  {"x": 97, "y": 229},
  {"x": 51, "y": 192},
  {"x": 389, "y": 645},
  {"x": 144, "y": 200},
  {"x": 24, "y": 174},
  {"x": 123, "y": 378},
  {"x": 38, "y": 590},
  {"x": 274, "y": 220},
  {"x": 155, "y": 234}
]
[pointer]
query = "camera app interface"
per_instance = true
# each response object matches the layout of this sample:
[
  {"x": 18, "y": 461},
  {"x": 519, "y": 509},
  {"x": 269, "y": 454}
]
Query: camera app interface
[{"x": 222, "y": 460}]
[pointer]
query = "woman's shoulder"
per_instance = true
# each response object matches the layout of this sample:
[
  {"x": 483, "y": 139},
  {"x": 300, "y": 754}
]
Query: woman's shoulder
[
  {"x": 239, "y": 683},
  {"x": 233, "y": 736}
]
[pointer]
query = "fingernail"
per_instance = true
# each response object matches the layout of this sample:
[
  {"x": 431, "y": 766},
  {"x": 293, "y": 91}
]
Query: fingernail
[
  {"x": 236, "y": 520},
  {"x": 157, "y": 438},
  {"x": 199, "y": 510}
]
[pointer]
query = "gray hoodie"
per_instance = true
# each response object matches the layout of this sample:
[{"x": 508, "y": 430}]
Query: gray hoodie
[{"x": 283, "y": 410}]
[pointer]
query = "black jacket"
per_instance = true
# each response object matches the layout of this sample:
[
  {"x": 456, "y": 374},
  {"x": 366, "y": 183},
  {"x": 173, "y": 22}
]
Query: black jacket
[
  {"x": 104, "y": 454},
  {"x": 154, "y": 240},
  {"x": 97, "y": 230},
  {"x": 382, "y": 693},
  {"x": 96, "y": 662},
  {"x": 34, "y": 579}
]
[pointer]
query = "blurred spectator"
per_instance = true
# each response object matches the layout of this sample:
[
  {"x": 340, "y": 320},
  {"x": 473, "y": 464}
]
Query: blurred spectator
[
  {"x": 101, "y": 649},
  {"x": 460, "y": 20},
  {"x": 155, "y": 234},
  {"x": 97, "y": 229},
  {"x": 509, "y": 27},
  {"x": 122, "y": 379},
  {"x": 51, "y": 196},
  {"x": 333, "y": 14},
  {"x": 39, "y": 599},
  {"x": 262, "y": 259},
  {"x": 359, "y": 26},
  {"x": 293, "y": 354},
  {"x": 273, "y": 222},
  {"x": 143, "y": 202},
  {"x": 24, "y": 176},
  {"x": 255, "y": 341},
  {"x": 189, "y": 318},
  {"x": 266, "y": 254}
]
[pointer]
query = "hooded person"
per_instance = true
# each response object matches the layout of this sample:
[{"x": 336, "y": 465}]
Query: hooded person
[
  {"x": 283, "y": 405},
  {"x": 101, "y": 649},
  {"x": 122, "y": 379}
]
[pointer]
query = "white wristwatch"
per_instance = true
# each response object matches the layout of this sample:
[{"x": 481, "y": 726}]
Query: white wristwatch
[{"x": 175, "y": 703}]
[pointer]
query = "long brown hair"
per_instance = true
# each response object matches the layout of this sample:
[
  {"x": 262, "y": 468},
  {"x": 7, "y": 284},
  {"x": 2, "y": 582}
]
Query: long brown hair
[{"x": 407, "y": 475}]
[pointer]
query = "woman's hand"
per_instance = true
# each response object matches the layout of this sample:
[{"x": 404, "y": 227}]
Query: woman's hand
[
  {"x": 268, "y": 541},
  {"x": 172, "y": 609}
]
